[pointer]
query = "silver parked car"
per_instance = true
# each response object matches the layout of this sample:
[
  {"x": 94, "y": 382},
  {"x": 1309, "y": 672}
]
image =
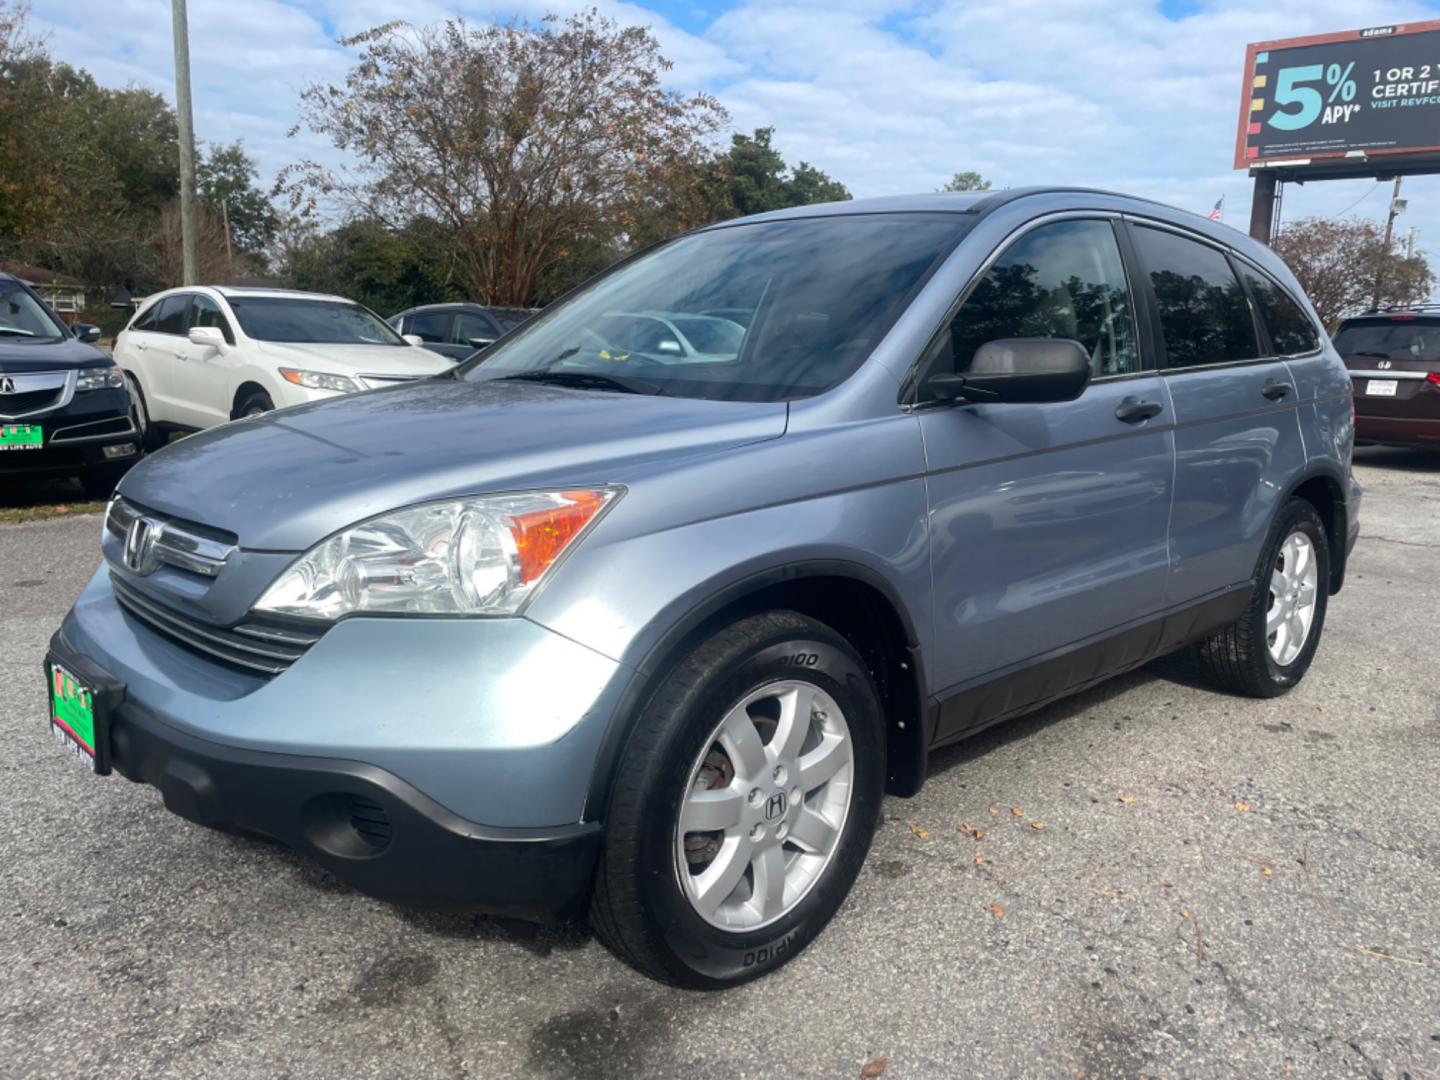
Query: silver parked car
[{"x": 606, "y": 626}]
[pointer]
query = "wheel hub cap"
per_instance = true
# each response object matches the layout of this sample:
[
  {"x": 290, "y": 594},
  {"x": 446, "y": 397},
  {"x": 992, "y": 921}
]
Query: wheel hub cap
[
  {"x": 1294, "y": 585},
  {"x": 754, "y": 835}
]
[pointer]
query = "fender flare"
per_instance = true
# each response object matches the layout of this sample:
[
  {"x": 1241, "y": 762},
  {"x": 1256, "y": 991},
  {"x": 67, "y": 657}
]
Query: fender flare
[{"x": 667, "y": 646}]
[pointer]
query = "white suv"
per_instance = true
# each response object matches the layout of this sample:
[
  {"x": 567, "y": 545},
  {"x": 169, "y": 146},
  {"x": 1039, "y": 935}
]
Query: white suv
[{"x": 199, "y": 356}]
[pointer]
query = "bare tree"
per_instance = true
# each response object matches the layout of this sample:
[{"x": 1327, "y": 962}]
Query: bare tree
[
  {"x": 1339, "y": 262},
  {"x": 523, "y": 138}
]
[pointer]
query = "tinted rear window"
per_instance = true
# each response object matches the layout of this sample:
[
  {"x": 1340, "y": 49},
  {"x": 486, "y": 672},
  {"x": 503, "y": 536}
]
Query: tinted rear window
[
  {"x": 1410, "y": 339},
  {"x": 1204, "y": 314}
]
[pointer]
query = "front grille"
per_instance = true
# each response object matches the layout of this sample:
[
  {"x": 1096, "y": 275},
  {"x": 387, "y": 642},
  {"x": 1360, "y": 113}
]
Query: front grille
[
  {"x": 256, "y": 645},
  {"x": 30, "y": 401},
  {"x": 370, "y": 821},
  {"x": 374, "y": 382}
]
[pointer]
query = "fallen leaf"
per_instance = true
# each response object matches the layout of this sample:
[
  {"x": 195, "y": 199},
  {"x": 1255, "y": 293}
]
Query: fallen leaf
[
  {"x": 1243, "y": 807},
  {"x": 993, "y": 810},
  {"x": 998, "y": 910},
  {"x": 1265, "y": 870},
  {"x": 1017, "y": 811},
  {"x": 1127, "y": 799},
  {"x": 973, "y": 830},
  {"x": 873, "y": 1069},
  {"x": 979, "y": 861},
  {"x": 923, "y": 834},
  {"x": 1320, "y": 709},
  {"x": 1184, "y": 912},
  {"x": 1037, "y": 825},
  {"x": 62, "y": 509}
]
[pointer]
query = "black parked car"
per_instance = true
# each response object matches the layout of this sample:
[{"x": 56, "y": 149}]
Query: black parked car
[
  {"x": 458, "y": 330},
  {"x": 64, "y": 407}
]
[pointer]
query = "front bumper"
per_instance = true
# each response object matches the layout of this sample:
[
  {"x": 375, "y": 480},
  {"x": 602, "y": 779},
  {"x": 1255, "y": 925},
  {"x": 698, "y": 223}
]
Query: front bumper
[
  {"x": 472, "y": 741},
  {"x": 76, "y": 436},
  {"x": 368, "y": 827}
]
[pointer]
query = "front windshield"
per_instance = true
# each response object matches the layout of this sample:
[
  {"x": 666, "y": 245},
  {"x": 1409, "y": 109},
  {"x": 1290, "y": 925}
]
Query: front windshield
[
  {"x": 270, "y": 318},
  {"x": 23, "y": 318},
  {"x": 769, "y": 311}
]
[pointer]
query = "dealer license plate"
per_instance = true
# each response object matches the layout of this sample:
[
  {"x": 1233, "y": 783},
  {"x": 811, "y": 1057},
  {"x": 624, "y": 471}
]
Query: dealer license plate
[
  {"x": 1381, "y": 387},
  {"x": 76, "y": 716},
  {"x": 21, "y": 437}
]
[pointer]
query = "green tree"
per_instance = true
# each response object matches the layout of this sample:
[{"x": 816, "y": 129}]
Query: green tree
[
  {"x": 225, "y": 177},
  {"x": 366, "y": 260},
  {"x": 966, "y": 181},
  {"x": 754, "y": 179}
]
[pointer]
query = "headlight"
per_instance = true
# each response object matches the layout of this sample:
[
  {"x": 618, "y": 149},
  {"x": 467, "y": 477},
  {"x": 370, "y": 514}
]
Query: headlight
[
  {"x": 319, "y": 380},
  {"x": 478, "y": 556},
  {"x": 100, "y": 378}
]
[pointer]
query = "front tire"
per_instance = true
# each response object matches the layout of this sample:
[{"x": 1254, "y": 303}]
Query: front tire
[
  {"x": 1267, "y": 651},
  {"x": 151, "y": 437},
  {"x": 255, "y": 404},
  {"x": 743, "y": 805}
]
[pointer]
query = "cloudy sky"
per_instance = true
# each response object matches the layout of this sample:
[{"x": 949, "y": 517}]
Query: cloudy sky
[{"x": 1136, "y": 95}]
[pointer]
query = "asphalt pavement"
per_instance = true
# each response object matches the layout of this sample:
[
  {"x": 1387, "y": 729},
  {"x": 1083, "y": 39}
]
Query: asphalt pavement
[{"x": 1148, "y": 880}]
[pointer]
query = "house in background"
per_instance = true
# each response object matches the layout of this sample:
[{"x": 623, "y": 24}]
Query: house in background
[{"x": 66, "y": 295}]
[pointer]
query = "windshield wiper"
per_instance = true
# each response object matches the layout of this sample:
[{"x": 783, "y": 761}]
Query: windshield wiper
[{"x": 586, "y": 380}]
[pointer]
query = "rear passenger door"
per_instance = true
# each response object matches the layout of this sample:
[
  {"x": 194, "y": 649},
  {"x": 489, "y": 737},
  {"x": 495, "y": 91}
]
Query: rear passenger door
[
  {"x": 1047, "y": 521},
  {"x": 1237, "y": 432}
]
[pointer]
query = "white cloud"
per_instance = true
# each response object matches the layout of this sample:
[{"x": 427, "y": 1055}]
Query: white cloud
[{"x": 887, "y": 97}]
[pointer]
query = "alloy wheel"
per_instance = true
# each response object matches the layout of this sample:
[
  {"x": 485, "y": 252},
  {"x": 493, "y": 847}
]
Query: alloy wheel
[
  {"x": 765, "y": 805},
  {"x": 1294, "y": 584}
]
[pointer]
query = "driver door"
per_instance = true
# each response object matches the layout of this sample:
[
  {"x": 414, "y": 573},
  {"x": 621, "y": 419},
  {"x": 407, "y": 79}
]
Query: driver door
[
  {"x": 1048, "y": 521},
  {"x": 202, "y": 383}
]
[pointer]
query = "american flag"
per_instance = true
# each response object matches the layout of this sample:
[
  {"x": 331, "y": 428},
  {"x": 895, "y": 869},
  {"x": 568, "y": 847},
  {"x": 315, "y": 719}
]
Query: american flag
[{"x": 1218, "y": 214}]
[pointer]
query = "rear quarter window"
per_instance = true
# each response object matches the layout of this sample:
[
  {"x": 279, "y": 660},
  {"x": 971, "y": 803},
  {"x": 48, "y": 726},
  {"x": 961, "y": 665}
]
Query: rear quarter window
[
  {"x": 1204, "y": 314},
  {"x": 1291, "y": 331}
]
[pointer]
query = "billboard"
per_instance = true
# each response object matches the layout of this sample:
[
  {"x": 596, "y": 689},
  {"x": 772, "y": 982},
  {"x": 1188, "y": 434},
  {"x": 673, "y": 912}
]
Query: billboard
[{"x": 1372, "y": 92}]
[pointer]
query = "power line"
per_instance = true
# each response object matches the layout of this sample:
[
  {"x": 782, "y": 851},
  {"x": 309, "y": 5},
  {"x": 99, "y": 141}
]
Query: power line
[{"x": 1358, "y": 201}]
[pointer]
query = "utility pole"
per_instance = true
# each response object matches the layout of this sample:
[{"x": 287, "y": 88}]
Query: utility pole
[
  {"x": 189, "y": 239},
  {"x": 1410, "y": 242},
  {"x": 1396, "y": 205}
]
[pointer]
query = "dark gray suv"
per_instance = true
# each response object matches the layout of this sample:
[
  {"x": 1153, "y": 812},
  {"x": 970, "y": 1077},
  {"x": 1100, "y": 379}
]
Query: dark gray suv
[{"x": 608, "y": 621}]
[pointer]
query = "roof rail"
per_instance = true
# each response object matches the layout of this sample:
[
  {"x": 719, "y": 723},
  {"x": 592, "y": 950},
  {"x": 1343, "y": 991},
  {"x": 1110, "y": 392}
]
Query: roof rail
[{"x": 1400, "y": 307}]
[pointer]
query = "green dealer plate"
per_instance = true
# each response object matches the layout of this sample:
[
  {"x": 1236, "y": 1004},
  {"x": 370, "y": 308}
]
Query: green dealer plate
[
  {"x": 73, "y": 709},
  {"x": 21, "y": 437}
]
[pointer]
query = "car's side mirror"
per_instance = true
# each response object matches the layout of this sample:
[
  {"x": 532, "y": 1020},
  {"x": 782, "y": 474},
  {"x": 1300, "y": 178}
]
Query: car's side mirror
[
  {"x": 211, "y": 336},
  {"x": 1017, "y": 370},
  {"x": 413, "y": 339},
  {"x": 480, "y": 342},
  {"x": 670, "y": 345},
  {"x": 86, "y": 332}
]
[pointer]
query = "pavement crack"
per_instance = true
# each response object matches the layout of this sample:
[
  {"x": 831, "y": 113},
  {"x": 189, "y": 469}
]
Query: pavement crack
[{"x": 1393, "y": 540}]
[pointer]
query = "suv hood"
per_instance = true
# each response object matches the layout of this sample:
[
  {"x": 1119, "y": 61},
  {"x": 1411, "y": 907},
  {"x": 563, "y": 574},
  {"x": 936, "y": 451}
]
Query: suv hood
[
  {"x": 288, "y": 479},
  {"x": 47, "y": 355},
  {"x": 356, "y": 359}
]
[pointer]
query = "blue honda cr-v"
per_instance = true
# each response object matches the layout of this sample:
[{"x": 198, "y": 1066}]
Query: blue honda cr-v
[{"x": 641, "y": 611}]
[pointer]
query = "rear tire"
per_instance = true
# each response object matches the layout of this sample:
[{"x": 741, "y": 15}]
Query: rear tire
[
  {"x": 1256, "y": 655},
  {"x": 648, "y": 904}
]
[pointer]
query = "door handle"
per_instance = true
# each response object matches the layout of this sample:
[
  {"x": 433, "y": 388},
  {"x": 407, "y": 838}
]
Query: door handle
[
  {"x": 1274, "y": 390},
  {"x": 1132, "y": 410}
]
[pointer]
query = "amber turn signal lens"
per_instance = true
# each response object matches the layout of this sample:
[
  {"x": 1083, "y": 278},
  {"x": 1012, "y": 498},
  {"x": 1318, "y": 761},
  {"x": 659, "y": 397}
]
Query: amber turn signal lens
[{"x": 541, "y": 535}]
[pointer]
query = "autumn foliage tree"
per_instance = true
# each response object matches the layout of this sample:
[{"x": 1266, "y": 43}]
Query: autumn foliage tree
[
  {"x": 1341, "y": 264},
  {"x": 523, "y": 139}
]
